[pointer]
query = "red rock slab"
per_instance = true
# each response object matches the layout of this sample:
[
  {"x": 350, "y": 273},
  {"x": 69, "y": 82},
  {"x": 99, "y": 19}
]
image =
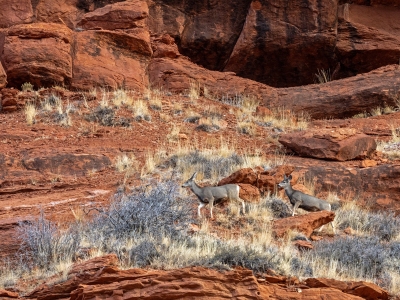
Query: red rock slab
[
  {"x": 332, "y": 144},
  {"x": 111, "y": 59},
  {"x": 15, "y": 12},
  {"x": 304, "y": 223},
  {"x": 60, "y": 12},
  {"x": 249, "y": 193},
  {"x": 38, "y": 53},
  {"x": 4, "y": 294},
  {"x": 365, "y": 290},
  {"x": 120, "y": 15}
]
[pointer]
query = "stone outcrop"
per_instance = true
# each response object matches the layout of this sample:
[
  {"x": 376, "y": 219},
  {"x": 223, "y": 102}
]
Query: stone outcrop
[
  {"x": 120, "y": 15},
  {"x": 38, "y": 53},
  {"x": 93, "y": 280},
  {"x": 16, "y": 12},
  {"x": 333, "y": 144},
  {"x": 111, "y": 59},
  {"x": 303, "y": 223}
]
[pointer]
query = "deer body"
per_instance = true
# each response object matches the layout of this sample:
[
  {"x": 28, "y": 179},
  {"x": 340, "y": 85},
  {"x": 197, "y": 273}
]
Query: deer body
[
  {"x": 211, "y": 194},
  {"x": 304, "y": 201}
]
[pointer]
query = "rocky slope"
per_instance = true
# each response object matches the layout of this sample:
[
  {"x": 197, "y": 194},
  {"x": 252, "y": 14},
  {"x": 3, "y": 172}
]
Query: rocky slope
[{"x": 270, "y": 50}]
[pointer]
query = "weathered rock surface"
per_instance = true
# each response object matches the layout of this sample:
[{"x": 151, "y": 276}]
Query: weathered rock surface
[
  {"x": 362, "y": 289},
  {"x": 111, "y": 59},
  {"x": 7, "y": 294},
  {"x": 38, "y": 53},
  {"x": 66, "y": 12},
  {"x": 120, "y": 15},
  {"x": 368, "y": 37},
  {"x": 249, "y": 193},
  {"x": 341, "y": 98},
  {"x": 67, "y": 163},
  {"x": 303, "y": 223},
  {"x": 333, "y": 144},
  {"x": 90, "y": 280},
  {"x": 279, "y": 53},
  {"x": 16, "y": 12}
]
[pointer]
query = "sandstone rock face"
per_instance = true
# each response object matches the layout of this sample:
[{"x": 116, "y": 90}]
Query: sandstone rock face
[
  {"x": 365, "y": 290},
  {"x": 3, "y": 77},
  {"x": 101, "y": 279},
  {"x": 367, "y": 38},
  {"x": 278, "y": 53},
  {"x": 249, "y": 193},
  {"x": 38, "y": 53},
  {"x": 304, "y": 223},
  {"x": 122, "y": 15},
  {"x": 206, "y": 34},
  {"x": 67, "y": 164},
  {"x": 65, "y": 12},
  {"x": 111, "y": 59},
  {"x": 334, "y": 144},
  {"x": 15, "y": 12}
]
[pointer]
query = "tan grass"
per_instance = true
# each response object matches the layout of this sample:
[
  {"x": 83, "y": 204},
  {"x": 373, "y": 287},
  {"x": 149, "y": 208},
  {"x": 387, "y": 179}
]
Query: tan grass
[
  {"x": 155, "y": 102},
  {"x": 287, "y": 120},
  {"x": 30, "y": 113},
  {"x": 194, "y": 91},
  {"x": 121, "y": 97},
  {"x": 27, "y": 87},
  {"x": 124, "y": 162},
  {"x": 140, "y": 109}
]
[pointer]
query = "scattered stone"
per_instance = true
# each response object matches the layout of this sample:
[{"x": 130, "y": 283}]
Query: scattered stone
[
  {"x": 367, "y": 163},
  {"x": 303, "y": 245}
]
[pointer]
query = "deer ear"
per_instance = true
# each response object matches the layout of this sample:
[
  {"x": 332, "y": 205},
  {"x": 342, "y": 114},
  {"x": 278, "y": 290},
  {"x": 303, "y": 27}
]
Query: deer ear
[
  {"x": 194, "y": 175},
  {"x": 290, "y": 177}
]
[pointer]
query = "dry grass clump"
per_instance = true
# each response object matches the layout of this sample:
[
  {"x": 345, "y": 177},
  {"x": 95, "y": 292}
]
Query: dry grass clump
[
  {"x": 246, "y": 127},
  {"x": 323, "y": 76},
  {"x": 120, "y": 97},
  {"x": 27, "y": 87},
  {"x": 155, "y": 102},
  {"x": 284, "y": 119},
  {"x": 194, "y": 91},
  {"x": 124, "y": 162},
  {"x": 391, "y": 149},
  {"x": 173, "y": 135},
  {"x": 140, "y": 111},
  {"x": 30, "y": 113}
]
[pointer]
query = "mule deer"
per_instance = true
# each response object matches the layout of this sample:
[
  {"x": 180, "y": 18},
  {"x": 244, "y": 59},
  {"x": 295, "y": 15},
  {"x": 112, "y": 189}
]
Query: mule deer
[
  {"x": 304, "y": 201},
  {"x": 210, "y": 194}
]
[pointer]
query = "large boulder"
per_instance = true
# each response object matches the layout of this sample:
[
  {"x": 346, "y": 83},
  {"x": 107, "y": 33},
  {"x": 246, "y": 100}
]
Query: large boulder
[
  {"x": 111, "y": 59},
  {"x": 333, "y": 144},
  {"x": 15, "y": 12},
  {"x": 121, "y": 15},
  {"x": 38, "y": 53},
  {"x": 303, "y": 223}
]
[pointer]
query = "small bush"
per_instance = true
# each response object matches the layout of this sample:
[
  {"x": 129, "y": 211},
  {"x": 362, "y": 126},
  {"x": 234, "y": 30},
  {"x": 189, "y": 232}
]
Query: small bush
[
  {"x": 278, "y": 208},
  {"x": 156, "y": 212},
  {"x": 44, "y": 245},
  {"x": 30, "y": 113},
  {"x": 102, "y": 115}
]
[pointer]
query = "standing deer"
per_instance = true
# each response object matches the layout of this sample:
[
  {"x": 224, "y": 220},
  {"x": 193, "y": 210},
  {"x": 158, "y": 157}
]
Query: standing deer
[
  {"x": 210, "y": 194},
  {"x": 304, "y": 201}
]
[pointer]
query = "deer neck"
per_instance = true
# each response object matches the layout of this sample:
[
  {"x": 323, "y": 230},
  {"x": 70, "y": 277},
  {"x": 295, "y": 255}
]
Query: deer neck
[
  {"x": 196, "y": 189},
  {"x": 289, "y": 192}
]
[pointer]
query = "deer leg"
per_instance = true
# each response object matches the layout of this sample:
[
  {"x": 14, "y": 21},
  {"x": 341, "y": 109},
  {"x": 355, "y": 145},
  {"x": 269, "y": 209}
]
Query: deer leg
[
  {"x": 211, "y": 207},
  {"x": 296, "y": 206},
  {"x": 201, "y": 204},
  {"x": 333, "y": 228}
]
